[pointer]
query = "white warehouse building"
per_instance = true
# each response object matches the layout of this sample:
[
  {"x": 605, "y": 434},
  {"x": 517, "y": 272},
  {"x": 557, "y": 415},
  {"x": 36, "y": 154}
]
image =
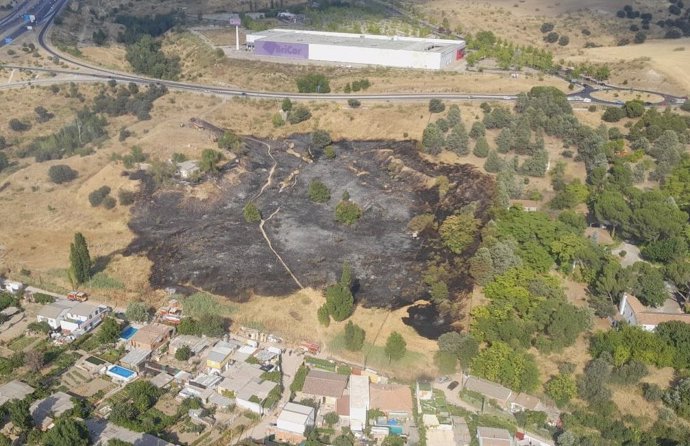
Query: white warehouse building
[{"x": 368, "y": 49}]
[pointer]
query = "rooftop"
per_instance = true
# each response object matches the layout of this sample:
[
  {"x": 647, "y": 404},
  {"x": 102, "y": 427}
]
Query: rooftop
[
  {"x": 50, "y": 407},
  {"x": 161, "y": 380},
  {"x": 492, "y": 436},
  {"x": 359, "y": 392},
  {"x": 487, "y": 388},
  {"x": 295, "y": 413},
  {"x": 391, "y": 398},
  {"x": 136, "y": 356},
  {"x": 14, "y": 390},
  {"x": 195, "y": 343},
  {"x": 356, "y": 40},
  {"x": 258, "y": 389},
  {"x": 151, "y": 334},
  {"x": 644, "y": 315},
  {"x": 101, "y": 431},
  {"x": 323, "y": 383},
  {"x": 83, "y": 309},
  {"x": 55, "y": 309}
]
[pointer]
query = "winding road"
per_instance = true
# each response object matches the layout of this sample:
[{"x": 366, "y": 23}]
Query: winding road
[{"x": 94, "y": 73}]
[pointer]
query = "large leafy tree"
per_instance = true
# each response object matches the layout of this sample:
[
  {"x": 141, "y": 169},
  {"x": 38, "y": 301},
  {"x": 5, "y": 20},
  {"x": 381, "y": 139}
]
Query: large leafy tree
[
  {"x": 339, "y": 299},
  {"x": 458, "y": 231},
  {"x": 396, "y": 346},
  {"x": 80, "y": 260},
  {"x": 562, "y": 388},
  {"x": 67, "y": 432},
  {"x": 354, "y": 337},
  {"x": 502, "y": 364},
  {"x": 109, "y": 331}
]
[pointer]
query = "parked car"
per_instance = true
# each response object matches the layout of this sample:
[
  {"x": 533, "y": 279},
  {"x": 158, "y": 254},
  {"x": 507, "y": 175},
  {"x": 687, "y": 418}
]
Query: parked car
[
  {"x": 442, "y": 379},
  {"x": 453, "y": 385}
]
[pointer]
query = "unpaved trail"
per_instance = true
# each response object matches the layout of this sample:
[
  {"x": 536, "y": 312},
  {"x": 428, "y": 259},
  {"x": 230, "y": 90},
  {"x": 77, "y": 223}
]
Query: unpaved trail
[{"x": 269, "y": 181}]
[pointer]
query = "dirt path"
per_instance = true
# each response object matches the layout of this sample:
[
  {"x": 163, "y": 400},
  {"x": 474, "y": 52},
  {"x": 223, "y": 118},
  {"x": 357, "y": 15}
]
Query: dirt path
[{"x": 269, "y": 181}]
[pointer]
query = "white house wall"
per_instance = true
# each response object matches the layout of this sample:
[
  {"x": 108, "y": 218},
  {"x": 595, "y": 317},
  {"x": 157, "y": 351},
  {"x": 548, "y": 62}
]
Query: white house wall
[
  {"x": 375, "y": 56},
  {"x": 288, "y": 426}
]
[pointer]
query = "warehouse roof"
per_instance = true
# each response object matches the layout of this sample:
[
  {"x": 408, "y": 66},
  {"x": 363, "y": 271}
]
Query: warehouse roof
[{"x": 358, "y": 40}]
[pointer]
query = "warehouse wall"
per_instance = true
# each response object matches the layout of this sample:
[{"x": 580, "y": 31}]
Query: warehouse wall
[{"x": 375, "y": 56}]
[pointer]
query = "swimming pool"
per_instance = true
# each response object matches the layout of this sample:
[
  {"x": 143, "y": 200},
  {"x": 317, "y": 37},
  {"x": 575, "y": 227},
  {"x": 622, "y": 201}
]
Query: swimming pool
[
  {"x": 121, "y": 373},
  {"x": 128, "y": 332}
]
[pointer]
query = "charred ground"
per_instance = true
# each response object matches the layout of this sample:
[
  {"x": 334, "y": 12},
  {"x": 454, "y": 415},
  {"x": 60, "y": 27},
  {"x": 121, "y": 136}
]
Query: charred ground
[{"x": 207, "y": 244}]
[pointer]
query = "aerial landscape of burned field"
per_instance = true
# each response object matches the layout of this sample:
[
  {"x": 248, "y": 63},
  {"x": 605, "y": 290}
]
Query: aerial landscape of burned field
[{"x": 207, "y": 244}]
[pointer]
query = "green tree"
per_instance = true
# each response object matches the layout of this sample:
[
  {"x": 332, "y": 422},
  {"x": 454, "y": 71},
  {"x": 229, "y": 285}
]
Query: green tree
[
  {"x": 347, "y": 212},
  {"x": 561, "y": 388},
  {"x": 61, "y": 173},
  {"x": 504, "y": 140},
  {"x": 453, "y": 116},
  {"x": 67, "y": 432},
  {"x": 137, "y": 312},
  {"x": 433, "y": 139},
  {"x": 481, "y": 147},
  {"x": 649, "y": 286},
  {"x": 183, "y": 353},
  {"x": 331, "y": 418},
  {"x": 396, "y": 346},
  {"x": 393, "y": 440},
  {"x": 5, "y": 440},
  {"x": 493, "y": 163},
  {"x": 458, "y": 141},
  {"x": 318, "y": 192},
  {"x": 502, "y": 364},
  {"x": 80, "y": 260},
  {"x": 481, "y": 266},
  {"x": 592, "y": 385},
  {"x": 118, "y": 442},
  {"x": 436, "y": 106},
  {"x": 313, "y": 83},
  {"x": 462, "y": 345},
  {"x": 634, "y": 108},
  {"x": 109, "y": 331},
  {"x": 20, "y": 414},
  {"x": 339, "y": 299},
  {"x": 286, "y": 105},
  {"x": 230, "y": 141},
  {"x": 145, "y": 56},
  {"x": 209, "y": 161},
  {"x": 99, "y": 37},
  {"x": 354, "y": 337},
  {"x": 321, "y": 138},
  {"x": 251, "y": 213},
  {"x": 478, "y": 130},
  {"x": 323, "y": 315},
  {"x": 458, "y": 231},
  {"x": 299, "y": 114}
]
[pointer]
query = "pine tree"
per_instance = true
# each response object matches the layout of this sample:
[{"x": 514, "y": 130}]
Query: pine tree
[
  {"x": 458, "y": 141},
  {"x": 339, "y": 300},
  {"x": 80, "y": 260},
  {"x": 493, "y": 163},
  {"x": 504, "y": 141},
  {"x": 481, "y": 148}
]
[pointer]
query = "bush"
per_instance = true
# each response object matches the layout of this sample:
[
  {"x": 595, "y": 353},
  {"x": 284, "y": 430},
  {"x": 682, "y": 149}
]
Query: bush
[
  {"x": 19, "y": 126},
  {"x": 286, "y": 105},
  {"x": 62, "y": 173},
  {"x": 354, "y": 103},
  {"x": 96, "y": 197},
  {"x": 686, "y": 105},
  {"x": 126, "y": 197},
  {"x": 613, "y": 114},
  {"x": 109, "y": 202},
  {"x": 436, "y": 106},
  {"x": 564, "y": 40},
  {"x": 251, "y": 213},
  {"x": 313, "y": 83},
  {"x": 551, "y": 37},
  {"x": 43, "y": 115},
  {"x": 329, "y": 152},
  {"x": 299, "y": 114},
  {"x": 347, "y": 212},
  {"x": 652, "y": 392},
  {"x": 354, "y": 337},
  {"x": 318, "y": 192},
  {"x": 546, "y": 27},
  {"x": 277, "y": 120},
  {"x": 183, "y": 353},
  {"x": 320, "y": 138}
]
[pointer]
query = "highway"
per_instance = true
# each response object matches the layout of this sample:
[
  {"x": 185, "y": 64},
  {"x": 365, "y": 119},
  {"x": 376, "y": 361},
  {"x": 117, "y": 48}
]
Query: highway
[
  {"x": 46, "y": 10},
  {"x": 15, "y": 23}
]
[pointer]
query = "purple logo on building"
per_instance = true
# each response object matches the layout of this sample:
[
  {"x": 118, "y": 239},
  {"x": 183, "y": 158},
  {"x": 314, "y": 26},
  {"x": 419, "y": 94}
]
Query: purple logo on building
[{"x": 277, "y": 49}]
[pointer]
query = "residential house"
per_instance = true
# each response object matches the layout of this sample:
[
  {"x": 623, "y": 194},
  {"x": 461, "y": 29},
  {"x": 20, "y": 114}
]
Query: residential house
[
  {"x": 82, "y": 318},
  {"x": 635, "y": 313},
  {"x": 359, "y": 402},
  {"x": 150, "y": 337},
  {"x": 529, "y": 439},
  {"x": 324, "y": 387},
  {"x": 44, "y": 411},
  {"x": 253, "y": 395},
  {"x": 14, "y": 390},
  {"x": 196, "y": 344},
  {"x": 526, "y": 205},
  {"x": 293, "y": 423},
  {"x": 491, "y": 436},
  {"x": 54, "y": 312},
  {"x": 219, "y": 356},
  {"x": 136, "y": 358},
  {"x": 394, "y": 400},
  {"x": 502, "y": 395},
  {"x": 102, "y": 431}
]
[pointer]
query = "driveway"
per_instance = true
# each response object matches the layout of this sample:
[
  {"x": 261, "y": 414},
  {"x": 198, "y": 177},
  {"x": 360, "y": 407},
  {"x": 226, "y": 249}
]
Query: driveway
[{"x": 452, "y": 396}]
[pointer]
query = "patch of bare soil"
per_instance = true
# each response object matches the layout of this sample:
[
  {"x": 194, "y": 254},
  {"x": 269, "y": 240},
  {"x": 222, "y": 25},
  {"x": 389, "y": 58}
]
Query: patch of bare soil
[{"x": 207, "y": 244}]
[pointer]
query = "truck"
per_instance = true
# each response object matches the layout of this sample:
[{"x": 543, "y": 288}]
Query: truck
[{"x": 78, "y": 296}]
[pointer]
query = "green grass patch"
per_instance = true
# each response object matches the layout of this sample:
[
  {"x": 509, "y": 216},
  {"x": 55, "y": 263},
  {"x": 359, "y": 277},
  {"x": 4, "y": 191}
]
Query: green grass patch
[
  {"x": 20, "y": 343},
  {"x": 104, "y": 282},
  {"x": 322, "y": 364}
]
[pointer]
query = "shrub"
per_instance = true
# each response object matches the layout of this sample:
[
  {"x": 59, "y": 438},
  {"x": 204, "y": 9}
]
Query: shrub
[
  {"x": 19, "y": 126},
  {"x": 62, "y": 173},
  {"x": 126, "y": 197},
  {"x": 251, "y": 213},
  {"x": 686, "y": 105},
  {"x": 354, "y": 337},
  {"x": 318, "y": 192},
  {"x": 551, "y": 37},
  {"x": 652, "y": 392},
  {"x": 313, "y": 83},
  {"x": 613, "y": 114},
  {"x": 546, "y": 27},
  {"x": 43, "y": 115},
  {"x": 481, "y": 148},
  {"x": 354, "y": 103},
  {"x": 299, "y": 114},
  {"x": 436, "y": 106},
  {"x": 286, "y": 105},
  {"x": 329, "y": 152},
  {"x": 183, "y": 353},
  {"x": 277, "y": 120},
  {"x": 96, "y": 197},
  {"x": 320, "y": 138},
  {"x": 564, "y": 40},
  {"x": 347, "y": 212},
  {"x": 109, "y": 202}
]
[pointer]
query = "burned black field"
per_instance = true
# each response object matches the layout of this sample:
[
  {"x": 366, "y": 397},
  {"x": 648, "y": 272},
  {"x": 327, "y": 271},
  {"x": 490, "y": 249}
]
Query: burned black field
[{"x": 207, "y": 244}]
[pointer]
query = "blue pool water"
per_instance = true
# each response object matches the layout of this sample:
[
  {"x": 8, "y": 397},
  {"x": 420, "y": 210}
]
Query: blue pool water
[
  {"x": 128, "y": 332},
  {"x": 121, "y": 371}
]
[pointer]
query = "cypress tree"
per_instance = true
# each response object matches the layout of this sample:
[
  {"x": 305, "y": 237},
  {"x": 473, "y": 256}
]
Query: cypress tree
[{"x": 80, "y": 259}]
